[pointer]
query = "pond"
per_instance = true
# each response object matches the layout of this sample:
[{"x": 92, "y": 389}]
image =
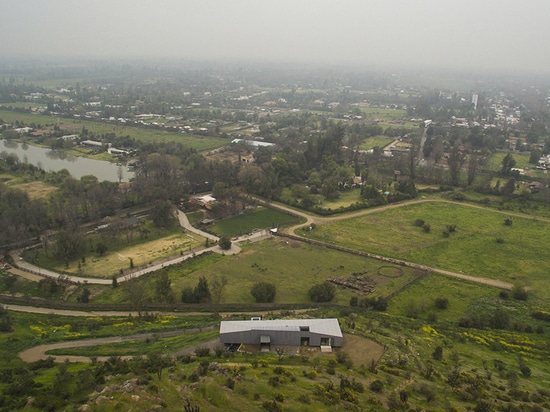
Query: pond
[{"x": 56, "y": 160}]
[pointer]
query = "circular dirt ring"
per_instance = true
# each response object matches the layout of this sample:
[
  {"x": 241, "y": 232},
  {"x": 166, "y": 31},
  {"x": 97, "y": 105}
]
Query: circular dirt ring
[{"x": 390, "y": 271}]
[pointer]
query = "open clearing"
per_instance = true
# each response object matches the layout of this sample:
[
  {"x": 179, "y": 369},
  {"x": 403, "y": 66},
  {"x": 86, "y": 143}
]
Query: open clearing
[
  {"x": 36, "y": 190},
  {"x": 471, "y": 249},
  {"x": 294, "y": 267},
  {"x": 141, "y": 254}
]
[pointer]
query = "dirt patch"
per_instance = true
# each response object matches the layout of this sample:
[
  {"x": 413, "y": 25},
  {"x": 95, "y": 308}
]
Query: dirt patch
[
  {"x": 36, "y": 190},
  {"x": 362, "y": 351},
  {"x": 358, "y": 283}
]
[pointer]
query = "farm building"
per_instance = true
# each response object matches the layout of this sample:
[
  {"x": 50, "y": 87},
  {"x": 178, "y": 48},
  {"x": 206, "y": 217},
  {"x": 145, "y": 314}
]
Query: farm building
[{"x": 295, "y": 332}]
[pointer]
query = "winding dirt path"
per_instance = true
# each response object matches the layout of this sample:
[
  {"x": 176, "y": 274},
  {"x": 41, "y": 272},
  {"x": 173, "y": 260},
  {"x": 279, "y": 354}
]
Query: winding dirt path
[{"x": 39, "y": 352}]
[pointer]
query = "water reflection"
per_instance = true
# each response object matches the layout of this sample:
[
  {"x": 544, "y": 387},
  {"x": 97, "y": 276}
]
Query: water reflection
[
  {"x": 11, "y": 144},
  {"x": 55, "y": 160},
  {"x": 61, "y": 155}
]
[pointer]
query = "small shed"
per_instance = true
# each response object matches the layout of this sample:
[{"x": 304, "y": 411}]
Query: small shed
[{"x": 282, "y": 332}]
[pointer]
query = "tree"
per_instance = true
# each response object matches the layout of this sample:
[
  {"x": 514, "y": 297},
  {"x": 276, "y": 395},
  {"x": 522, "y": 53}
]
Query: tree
[
  {"x": 101, "y": 248},
  {"x": 472, "y": 168},
  {"x": 163, "y": 288},
  {"x": 199, "y": 294},
  {"x": 5, "y": 320},
  {"x": 509, "y": 188},
  {"x": 161, "y": 213},
  {"x": 84, "y": 296},
  {"x": 322, "y": 292},
  {"x": 217, "y": 286},
  {"x": 136, "y": 290},
  {"x": 225, "y": 242},
  {"x": 202, "y": 291},
  {"x": 68, "y": 245},
  {"x": 508, "y": 163},
  {"x": 263, "y": 292},
  {"x": 455, "y": 162}
]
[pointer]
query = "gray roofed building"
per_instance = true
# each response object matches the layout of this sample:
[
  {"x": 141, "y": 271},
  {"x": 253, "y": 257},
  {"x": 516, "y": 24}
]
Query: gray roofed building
[{"x": 282, "y": 332}]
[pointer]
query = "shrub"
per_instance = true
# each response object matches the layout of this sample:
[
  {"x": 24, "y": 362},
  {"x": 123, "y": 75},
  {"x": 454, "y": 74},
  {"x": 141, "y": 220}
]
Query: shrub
[
  {"x": 225, "y": 242},
  {"x": 508, "y": 222},
  {"x": 263, "y": 292},
  {"x": 499, "y": 240},
  {"x": 419, "y": 222},
  {"x": 426, "y": 228},
  {"x": 438, "y": 353},
  {"x": 202, "y": 351},
  {"x": 519, "y": 293},
  {"x": 441, "y": 303},
  {"x": 322, "y": 292},
  {"x": 376, "y": 385}
]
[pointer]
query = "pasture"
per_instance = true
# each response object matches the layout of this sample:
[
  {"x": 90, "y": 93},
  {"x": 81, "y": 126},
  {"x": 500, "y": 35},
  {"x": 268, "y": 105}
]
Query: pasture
[
  {"x": 376, "y": 141},
  {"x": 472, "y": 248},
  {"x": 292, "y": 266},
  {"x": 250, "y": 219}
]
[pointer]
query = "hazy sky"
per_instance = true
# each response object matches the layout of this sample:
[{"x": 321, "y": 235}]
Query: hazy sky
[{"x": 495, "y": 34}]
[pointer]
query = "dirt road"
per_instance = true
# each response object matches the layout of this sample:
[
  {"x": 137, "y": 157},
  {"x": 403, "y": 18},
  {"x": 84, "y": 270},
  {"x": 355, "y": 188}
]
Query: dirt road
[{"x": 40, "y": 352}]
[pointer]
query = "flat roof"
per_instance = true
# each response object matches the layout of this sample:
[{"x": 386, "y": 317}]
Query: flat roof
[{"x": 320, "y": 326}]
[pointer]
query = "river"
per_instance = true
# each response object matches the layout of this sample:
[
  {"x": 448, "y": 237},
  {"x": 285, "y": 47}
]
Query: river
[{"x": 56, "y": 160}]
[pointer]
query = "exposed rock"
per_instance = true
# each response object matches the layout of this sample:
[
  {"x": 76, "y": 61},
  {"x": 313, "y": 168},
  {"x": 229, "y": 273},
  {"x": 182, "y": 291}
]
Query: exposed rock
[{"x": 101, "y": 398}]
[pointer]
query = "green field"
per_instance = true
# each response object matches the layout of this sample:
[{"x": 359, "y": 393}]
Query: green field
[
  {"x": 384, "y": 114},
  {"x": 522, "y": 161},
  {"x": 471, "y": 249},
  {"x": 292, "y": 266},
  {"x": 258, "y": 218},
  {"x": 376, "y": 141}
]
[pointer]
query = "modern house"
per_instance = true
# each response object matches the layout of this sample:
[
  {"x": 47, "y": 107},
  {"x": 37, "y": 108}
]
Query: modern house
[{"x": 295, "y": 332}]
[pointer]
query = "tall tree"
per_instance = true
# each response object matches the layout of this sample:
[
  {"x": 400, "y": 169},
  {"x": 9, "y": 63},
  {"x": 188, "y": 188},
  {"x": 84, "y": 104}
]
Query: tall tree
[
  {"x": 217, "y": 286},
  {"x": 455, "y": 161},
  {"x": 508, "y": 163},
  {"x": 473, "y": 164},
  {"x": 163, "y": 288}
]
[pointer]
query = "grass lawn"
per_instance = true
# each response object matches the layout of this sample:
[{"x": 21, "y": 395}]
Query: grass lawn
[
  {"x": 259, "y": 218},
  {"x": 292, "y": 266},
  {"x": 346, "y": 198},
  {"x": 384, "y": 114},
  {"x": 372, "y": 142},
  {"x": 463, "y": 298},
  {"x": 522, "y": 160},
  {"x": 471, "y": 249}
]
